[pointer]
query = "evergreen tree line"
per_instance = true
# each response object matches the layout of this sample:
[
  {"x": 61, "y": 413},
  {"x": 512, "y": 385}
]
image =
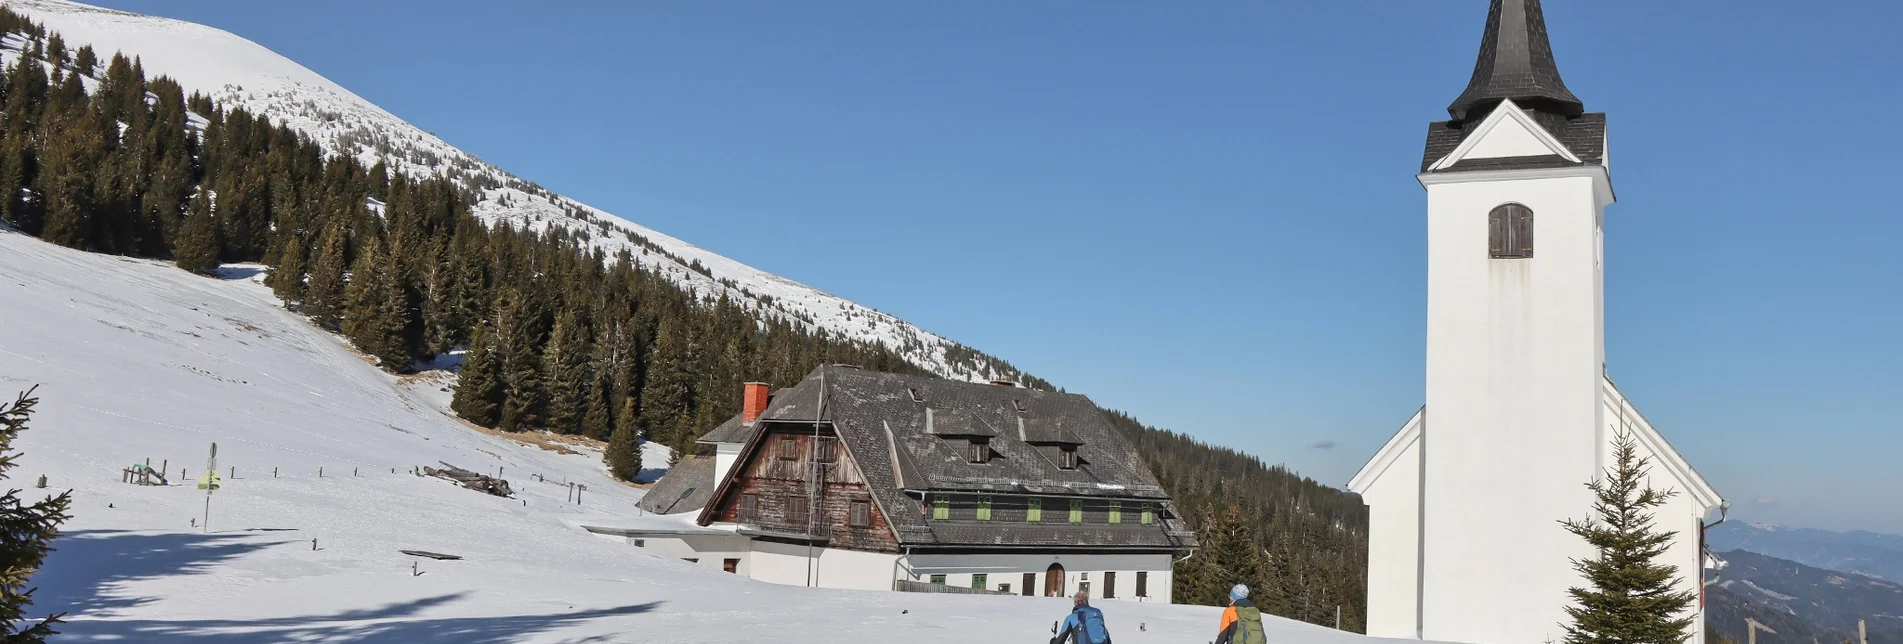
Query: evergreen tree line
[
  {"x": 1302, "y": 547},
  {"x": 558, "y": 336},
  {"x": 553, "y": 335}
]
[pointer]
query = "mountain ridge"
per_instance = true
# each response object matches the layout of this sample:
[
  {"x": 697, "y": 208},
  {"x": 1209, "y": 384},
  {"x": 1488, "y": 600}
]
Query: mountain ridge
[
  {"x": 1860, "y": 552},
  {"x": 239, "y": 73}
]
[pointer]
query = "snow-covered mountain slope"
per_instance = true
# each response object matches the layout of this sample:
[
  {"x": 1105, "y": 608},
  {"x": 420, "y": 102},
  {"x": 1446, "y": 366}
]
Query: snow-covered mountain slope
[
  {"x": 238, "y": 73},
  {"x": 136, "y": 359}
]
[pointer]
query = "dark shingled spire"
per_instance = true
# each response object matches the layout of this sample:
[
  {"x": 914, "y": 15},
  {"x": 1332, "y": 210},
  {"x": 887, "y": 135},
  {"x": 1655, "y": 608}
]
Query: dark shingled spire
[{"x": 1516, "y": 62}]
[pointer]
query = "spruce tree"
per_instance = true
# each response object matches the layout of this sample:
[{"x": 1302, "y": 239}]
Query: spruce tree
[
  {"x": 478, "y": 396},
  {"x": 624, "y": 450},
  {"x": 84, "y": 60},
  {"x": 197, "y": 247},
  {"x": 29, "y": 530},
  {"x": 324, "y": 293},
  {"x": 520, "y": 345},
  {"x": 376, "y": 312},
  {"x": 1631, "y": 598},
  {"x": 566, "y": 362},
  {"x": 597, "y": 419},
  {"x": 287, "y": 276}
]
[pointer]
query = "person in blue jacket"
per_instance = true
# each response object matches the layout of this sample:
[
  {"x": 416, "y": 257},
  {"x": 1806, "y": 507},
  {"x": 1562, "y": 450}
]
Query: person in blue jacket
[{"x": 1084, "y": 625}]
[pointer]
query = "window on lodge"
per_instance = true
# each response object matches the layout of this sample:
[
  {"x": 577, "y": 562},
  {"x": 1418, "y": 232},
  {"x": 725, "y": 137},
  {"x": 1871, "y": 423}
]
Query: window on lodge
[
  {"x": 1076, "y": 510},
  {"x": 1149, "y": 515},
  {"x": 861, "y": 514},
  {"x": 1116, "y": 512},
  {"x": 978, "y": 580},
  {"x": 978, "y": 451},
  {"x": 938, "y": 579},
  {"x": 1035, "y": 512},
  {"x": 1067, "y": 458},
  {"x": 1510, "y": 232},
  {"x": 984, "y": 508},
  {"x": 789, "y": 448},
  {"x": 941, "y": 508}
]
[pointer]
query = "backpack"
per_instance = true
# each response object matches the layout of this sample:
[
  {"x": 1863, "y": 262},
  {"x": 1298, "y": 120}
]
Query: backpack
[
  {"x": 1094, "y": 631},
  {"x": 1249, "y": 627}
]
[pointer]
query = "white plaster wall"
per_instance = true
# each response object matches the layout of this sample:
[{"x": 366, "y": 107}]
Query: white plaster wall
[
  {"x": 831, "y": 567},
  {"x": 1010, "y": 569},
  {"x": 711, "y": 551},
  {"x": 724, "y": 456},
  {"x": 1514, "y": 363},
  {"x": 1394, "y": 512}
]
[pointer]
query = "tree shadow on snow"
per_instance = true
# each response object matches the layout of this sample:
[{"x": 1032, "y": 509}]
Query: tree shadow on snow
[
  {"x": 89, "y": 569},
  {"x": 397, "y": 622}
]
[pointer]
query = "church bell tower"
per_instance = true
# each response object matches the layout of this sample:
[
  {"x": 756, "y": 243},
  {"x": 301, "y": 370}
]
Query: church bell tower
[{"x": 1516, "y": 190}]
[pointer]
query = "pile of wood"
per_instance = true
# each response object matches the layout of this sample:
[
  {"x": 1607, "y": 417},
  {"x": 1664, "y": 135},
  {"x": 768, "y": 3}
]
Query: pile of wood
[{"x": 471, "y": 480}]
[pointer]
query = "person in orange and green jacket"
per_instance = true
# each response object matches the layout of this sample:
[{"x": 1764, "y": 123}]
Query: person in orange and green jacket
[{"x": 1241, "y": 622}]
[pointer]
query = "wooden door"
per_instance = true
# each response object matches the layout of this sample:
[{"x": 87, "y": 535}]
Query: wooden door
[{"x": 1054, "y": 581}]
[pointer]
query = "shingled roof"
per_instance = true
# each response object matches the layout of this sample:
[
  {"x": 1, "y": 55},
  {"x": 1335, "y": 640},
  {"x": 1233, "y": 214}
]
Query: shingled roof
[
  {"x": 1516, "y": 63},
  {"x": 882, "y": 421},
  {"x": 686, "y": 487}
]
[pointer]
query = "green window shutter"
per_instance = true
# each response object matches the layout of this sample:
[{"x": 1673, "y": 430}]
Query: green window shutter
[
  {"x": 1036, "y": 513},
  {"x": 1116, "y": 512},
  {"x": 941, "y": 508},
  {"x": 978, "y": 581},
  {"x": 1149, "y": 513},
  {"x": 984, "y": 508},
  {"x": 1076, "y": 510},
  {"x": 938, "y": 579}
]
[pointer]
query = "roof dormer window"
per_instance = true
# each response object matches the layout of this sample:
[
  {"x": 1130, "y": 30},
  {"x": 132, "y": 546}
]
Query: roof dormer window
[
  {"x": 978, "y": 451},
  {"x": 1067, "y": 458},
  {"x": 917, "y": 396}
]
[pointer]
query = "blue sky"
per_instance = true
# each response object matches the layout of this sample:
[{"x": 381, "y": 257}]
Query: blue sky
[{"x": 1206, "y": 214}]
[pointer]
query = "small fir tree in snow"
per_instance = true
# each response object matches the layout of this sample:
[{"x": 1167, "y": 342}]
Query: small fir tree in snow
[
  {"x": 1631, "y": 598},
  {"x": 197, "y": 247},
  {"x": 28, "y": 532}
]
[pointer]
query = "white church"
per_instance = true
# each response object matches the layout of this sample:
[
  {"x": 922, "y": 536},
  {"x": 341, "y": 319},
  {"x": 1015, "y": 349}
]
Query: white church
[{"x": 1465, "y": 502}]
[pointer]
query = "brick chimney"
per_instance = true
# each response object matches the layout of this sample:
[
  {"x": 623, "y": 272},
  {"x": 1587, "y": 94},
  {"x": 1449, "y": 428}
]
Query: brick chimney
[{"x": 753, "y": 403}]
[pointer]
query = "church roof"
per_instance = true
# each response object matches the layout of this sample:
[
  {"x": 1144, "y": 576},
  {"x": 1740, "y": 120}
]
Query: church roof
[{"x": 1516, "y": 62}]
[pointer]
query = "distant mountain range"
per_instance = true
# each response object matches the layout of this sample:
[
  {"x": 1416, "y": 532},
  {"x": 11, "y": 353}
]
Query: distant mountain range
[
  {"x": 1801, "y": 604},
  {"x": 1864, "y": 553}
]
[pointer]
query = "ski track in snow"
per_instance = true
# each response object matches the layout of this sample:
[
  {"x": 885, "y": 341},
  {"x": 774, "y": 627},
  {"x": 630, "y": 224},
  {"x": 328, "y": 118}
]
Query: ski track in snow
[
  {"x": 136, "y": 359},
  {"x": 239, "y": 73}
]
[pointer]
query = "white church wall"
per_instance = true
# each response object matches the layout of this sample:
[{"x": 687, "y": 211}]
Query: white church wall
[
  {"x": 1393, "y": 499},
  {"x": 1514, "y": 355}
]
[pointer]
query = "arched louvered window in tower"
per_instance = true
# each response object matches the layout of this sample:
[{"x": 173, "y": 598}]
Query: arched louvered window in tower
[{"x": 1510, "y": 232}]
